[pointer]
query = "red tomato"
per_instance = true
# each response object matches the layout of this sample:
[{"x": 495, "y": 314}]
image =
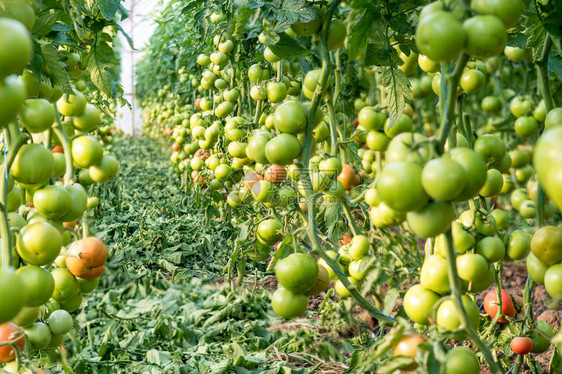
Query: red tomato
[
  {"x": 491, "y": 305},
  {"x": 9, "y": 331},
  {"x": 522, "y": 345}
]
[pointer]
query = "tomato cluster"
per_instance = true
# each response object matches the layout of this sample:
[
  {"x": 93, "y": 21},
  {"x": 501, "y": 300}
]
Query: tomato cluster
[
  {"x": 274, "y": 147},
  {"x": 53, "y": 150}
]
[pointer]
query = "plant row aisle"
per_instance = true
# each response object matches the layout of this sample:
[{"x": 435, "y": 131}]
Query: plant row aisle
[
  {"x": 388, "y": 159},
  {"x": 322, "y": 186}
]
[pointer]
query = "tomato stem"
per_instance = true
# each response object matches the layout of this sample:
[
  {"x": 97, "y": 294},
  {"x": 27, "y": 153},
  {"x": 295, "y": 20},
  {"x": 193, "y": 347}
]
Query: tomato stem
[
  {"x": 59, "y": 131},
  {"x": 542, "y": 69},
  {"x": 17, "y": 140},
  {"x": 456, "y": 291},
  {"x": 447, "y": 98}
]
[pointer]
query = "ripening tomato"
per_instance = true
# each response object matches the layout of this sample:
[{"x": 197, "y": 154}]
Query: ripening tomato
[
  {"x": 86, "y": 258},
  {"x": 10, "y": 332},
  {"x": 522, "y": 345},
  {"x": 408, "y": 345},
  {"x": 491, "y": 305}
]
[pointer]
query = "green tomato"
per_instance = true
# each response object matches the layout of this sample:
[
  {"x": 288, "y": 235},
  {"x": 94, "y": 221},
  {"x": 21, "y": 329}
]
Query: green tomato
[
  {"x": 472, "y": 266},
  {"x": 536, "y": 269},
  {"x": 443, "y": 179},
  {"x": 282, "y": 149},
  {"x": 432, "y": 219},
  {"x": 461, "y": 360},
  {"x": 404, "y": 124},
  {"x": 485, "y": 36},
  {"x": 399, "y": 186},
  {"x": 359, "y": 246},
  {"x": 553, "y": 281},
  {"x": 16, "y": 47},
  {"x": 472, "y": 80},
  {"x": 493, "y": 185},
  {"x": 519, "y": 245},
  {"x": 526, "y": 126},
  {"x": 440, "y": 36},
  {"x": 546, "y": 244},
  {"x": 553, "y": 118},
  {"x": 38, "y": 335},
  {"x": 60, "y": 322},
  {"x": 491, "y": 248},
  {"x": 434, "y": 274},
  {"x": 297, "y": 272},
  {"x": 474, "y": 167},
  {"x": 337, "y": 33},
  {"x": 13, "y": 294},
  {"x": 448, "y": 315},
  {"x": 508, "y": 11},
  {"x": 418, "y": 304},
  {"x": 290, "y": 117},
  {"x": 288, "y": 304}
]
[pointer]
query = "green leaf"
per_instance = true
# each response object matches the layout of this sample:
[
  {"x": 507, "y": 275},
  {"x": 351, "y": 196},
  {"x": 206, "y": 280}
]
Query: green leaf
[
  {"x": 98, "y": 62},
  {"x": 241, "y": 19},
  {"x": 44, "y": 23},
  {"x": 291, "y": 11},
  {"x": 555, "y": 64},
  {"x": 397, "y": 87},
  {"x": 189, "y": 6},
  {"x": 357, "y": 41},
  {"x": 288, "y": 47},
  {"x": 108, "y": 8},
  {"x": 55, "y": 68}
]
